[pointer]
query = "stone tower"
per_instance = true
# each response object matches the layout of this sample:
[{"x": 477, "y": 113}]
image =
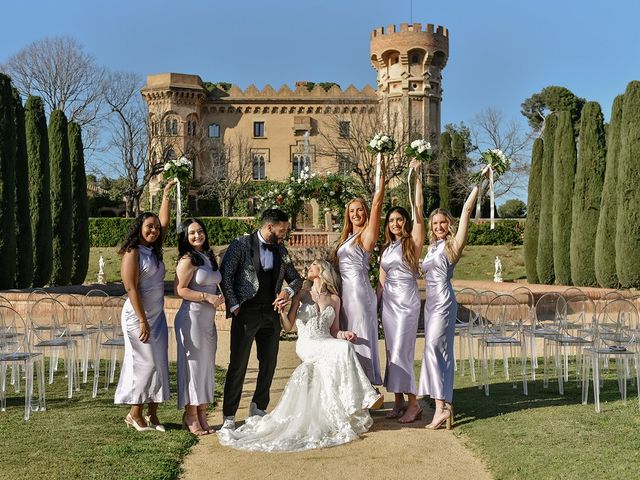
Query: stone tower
[{"x": 409, "y": 62}]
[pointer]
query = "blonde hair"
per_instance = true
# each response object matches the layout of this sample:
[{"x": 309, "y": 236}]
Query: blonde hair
[
  {"x": 328, "y": 276},
  {"x": 348, "y": 226},
  {"x": 450, "y": 238}
]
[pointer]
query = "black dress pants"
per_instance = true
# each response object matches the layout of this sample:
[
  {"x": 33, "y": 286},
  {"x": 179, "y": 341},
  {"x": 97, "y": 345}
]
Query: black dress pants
[{"x": 262, "y": 324}]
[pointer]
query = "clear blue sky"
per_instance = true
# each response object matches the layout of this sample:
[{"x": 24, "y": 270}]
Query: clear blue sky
[{"x": 501, "y": 51}]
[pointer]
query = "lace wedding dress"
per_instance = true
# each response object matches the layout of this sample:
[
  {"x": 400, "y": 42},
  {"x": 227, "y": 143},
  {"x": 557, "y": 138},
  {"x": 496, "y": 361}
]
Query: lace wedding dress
[{"x": 325, "y": 401}]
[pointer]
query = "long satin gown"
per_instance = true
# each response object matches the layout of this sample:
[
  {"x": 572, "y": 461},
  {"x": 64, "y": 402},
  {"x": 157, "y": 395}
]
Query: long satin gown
[
  {"x": 197, "y": 338},
  {"x": 359, "y": 306},
  {"x": 440, "y": 308},
  {"x": 400, "y": 313},
  {"x": 325, "y": 401},
  {"x": 144, "y": 376}
]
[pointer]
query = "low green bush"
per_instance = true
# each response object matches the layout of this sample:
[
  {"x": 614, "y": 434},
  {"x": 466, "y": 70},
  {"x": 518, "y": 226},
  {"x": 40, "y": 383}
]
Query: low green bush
[
  {"x": 110, "y": 232},
  {"x": 505, "y": 231}
]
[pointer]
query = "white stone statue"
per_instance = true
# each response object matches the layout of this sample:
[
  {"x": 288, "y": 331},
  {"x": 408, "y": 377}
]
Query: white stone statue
[
  {"x": 101, "y": 271},
  {"x": 497, "y": 275}
]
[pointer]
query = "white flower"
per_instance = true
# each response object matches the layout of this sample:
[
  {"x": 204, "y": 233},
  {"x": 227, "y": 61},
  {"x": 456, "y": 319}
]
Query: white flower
[
  {"x": 415, "y": 143},
  {"x": 373, "y": 143},
  {"x": 385, "y": 138},
  {"x": 299, "y": 180},
  {"x": 325, "y": 185},
  {"x": 332, "y": 193},
  {"x": 167, "y": 166},
  {"x": 292, "y": 179},
  {"x": 306, "y": 168}
]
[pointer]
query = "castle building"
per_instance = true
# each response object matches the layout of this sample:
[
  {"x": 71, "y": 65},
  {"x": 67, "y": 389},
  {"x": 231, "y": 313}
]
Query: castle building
[{"x": 273, "y": 134}]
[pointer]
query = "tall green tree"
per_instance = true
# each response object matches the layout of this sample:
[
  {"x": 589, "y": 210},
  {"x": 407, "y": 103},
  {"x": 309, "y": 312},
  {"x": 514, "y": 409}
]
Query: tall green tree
[
  {"x": 60, "y": 198},
  {"x": 444, "y": 158},
  {"x": 628, "y": 220},
  {"x": 605, "y": 251},
  {"x": 24, "y": 247},
  {"x": 544, "y": 257},
  {"x": 7, "y": 185},
  {"x": 587, "y": 194},
  {"x": 548, "y": 100},
  {"x": 39, "y": 189},
  {"x": 564, "y": 170},
  {"x": 80, "y": 206},
  {"x": 532, "y": 224},
  {"x": 458, "y": 167}
]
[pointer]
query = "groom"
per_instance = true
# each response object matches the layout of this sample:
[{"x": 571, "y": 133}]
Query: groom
[{"x": 253, "y": 269}]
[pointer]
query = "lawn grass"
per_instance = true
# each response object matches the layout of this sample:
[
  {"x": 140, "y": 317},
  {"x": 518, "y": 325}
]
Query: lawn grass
[
  {"x": 85, "y": 438},
  {"x": 476, "y": 263},
  {"x": 548, "y": 436}
]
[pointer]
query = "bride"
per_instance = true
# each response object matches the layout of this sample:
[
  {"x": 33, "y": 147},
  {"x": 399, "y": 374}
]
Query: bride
[{"x": 326, "y": 400}]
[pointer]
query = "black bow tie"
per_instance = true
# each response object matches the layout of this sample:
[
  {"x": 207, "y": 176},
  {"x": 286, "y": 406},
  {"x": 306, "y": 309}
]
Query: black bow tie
[{"x": 269, "y": 246}]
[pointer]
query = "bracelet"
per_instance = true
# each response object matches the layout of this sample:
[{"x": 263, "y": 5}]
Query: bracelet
[
  {"x": 203, "y": 296},
  {"x": 340, "y": 334}
]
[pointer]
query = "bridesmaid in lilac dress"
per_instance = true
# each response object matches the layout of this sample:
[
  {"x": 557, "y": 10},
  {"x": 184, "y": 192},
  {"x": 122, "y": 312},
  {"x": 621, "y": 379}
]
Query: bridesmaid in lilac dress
[
  {"x": 358, "y": 312},
  {"x": 440, "y": 308},
  {"x": 400, "y": 300}
]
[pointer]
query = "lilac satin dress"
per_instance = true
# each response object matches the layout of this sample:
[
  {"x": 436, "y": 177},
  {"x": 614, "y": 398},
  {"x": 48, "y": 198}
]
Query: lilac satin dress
[
  {"x": 197, "y": 339},
  {"x": 359, "y": 306},
  {"x": 400, "y": 313},
  {"x": 144, "y": 376},
  {"x": 440, "y": 308}
]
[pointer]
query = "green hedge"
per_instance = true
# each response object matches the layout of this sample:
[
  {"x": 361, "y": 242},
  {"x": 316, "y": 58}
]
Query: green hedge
[
  {"x": 506, "y": 231},
  {"x": 110, "y": 232}
]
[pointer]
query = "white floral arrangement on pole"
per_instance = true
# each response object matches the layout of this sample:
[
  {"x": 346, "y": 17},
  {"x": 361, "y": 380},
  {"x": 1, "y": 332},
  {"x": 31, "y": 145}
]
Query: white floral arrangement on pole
[
  {"x": 497, "y": 164},
  {"x": 381, "y": 143},
  {"x": 182, "y": 170}
]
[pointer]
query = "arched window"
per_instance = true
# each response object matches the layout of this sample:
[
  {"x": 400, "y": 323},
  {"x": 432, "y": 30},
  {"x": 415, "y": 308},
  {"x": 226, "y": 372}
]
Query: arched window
[
  {"x": 170, "y": 155},
  {"x": 299, "y": 162},
  {"x": 415, "y": 58},
  {"x": 258, "y": 167},
  {"x": 171, "y": 126},
  {"x": 214, "y": 130}
]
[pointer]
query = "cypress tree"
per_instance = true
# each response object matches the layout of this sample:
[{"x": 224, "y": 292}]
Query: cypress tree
[
  {"x": 444, "y": 158},
  {"x": 7, "y": 185},
  {"x": 24, "y": 257},
  {"x": 544, "y": 257},
  {"x": 457, "y": 167},
  {"x": 587, "y": 194},
  {"x": 628, "y": 220},
  {"x": 80, "y": 207},
  {"x": 533, "y": 212},
  {"x": 39, "y": 189},
  {"x": 564, "y": 170},
  {"x": 60, "y": 198},
  {"x": 605, "y": 252}
]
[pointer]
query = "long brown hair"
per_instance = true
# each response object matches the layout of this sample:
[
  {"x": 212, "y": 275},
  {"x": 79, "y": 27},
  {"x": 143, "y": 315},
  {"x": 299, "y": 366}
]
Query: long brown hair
[
  {"x": 408, "y": 251},
  {"x": 348, "y": 228},
  {"x": 450, "y": 239}
]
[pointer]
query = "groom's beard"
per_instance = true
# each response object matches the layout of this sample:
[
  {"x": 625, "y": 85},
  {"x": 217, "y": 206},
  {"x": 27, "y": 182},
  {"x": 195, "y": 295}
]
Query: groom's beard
[{"x": 273, "y": 239}]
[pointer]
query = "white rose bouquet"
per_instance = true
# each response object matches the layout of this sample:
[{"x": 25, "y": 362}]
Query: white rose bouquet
[
  {"x": 180, "y": 169},
  {"x": 419, "y": 149},
  {"x": 496, "y": 165},
  {"x": 382, "y": 143}
]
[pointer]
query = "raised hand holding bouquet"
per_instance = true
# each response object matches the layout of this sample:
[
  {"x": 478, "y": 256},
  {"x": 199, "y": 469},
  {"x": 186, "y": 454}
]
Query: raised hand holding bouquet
[
  {"x": 496, "y": 164},
  {"x": 182, "y": 170},
  {"x": 420, "y": 151},
  {"x": 381, "y": 143}
]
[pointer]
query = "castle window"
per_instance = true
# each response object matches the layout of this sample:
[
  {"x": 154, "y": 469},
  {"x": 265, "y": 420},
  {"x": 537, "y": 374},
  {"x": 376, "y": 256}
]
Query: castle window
[
  {"x": 415, "y": 59},
  {"x": 170, "y": 155},
  {"x": 214, "y": 130},
  {"x": 191, "y": 128},
  {"x": 344, "y": 163},
  {"x": 171, "y": 126},
  {"x": 299, "y": 162},
  {"x": 344, "y": 129},
  {"x": 258, "y": 129},
  {"x": 258, "y": 167}
]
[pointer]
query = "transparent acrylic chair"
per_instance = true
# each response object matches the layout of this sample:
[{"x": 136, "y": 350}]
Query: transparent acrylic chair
[
  {"x": 49, "y": 330},
  {"x": 575, "y": 332},
  {"x": 14, "y": 349},
  {"x": 475, "y": 325},
  {"x": 545, "y": 321},
  {"x": 111, "y": 339},
  {"x": 464, "y": 314},
  {"x": 616, "y": 335},
  {"x": 503, "y": 327}
]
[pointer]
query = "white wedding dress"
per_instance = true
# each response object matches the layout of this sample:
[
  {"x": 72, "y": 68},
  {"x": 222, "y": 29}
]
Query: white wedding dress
[{"x": 325, "y": 402}]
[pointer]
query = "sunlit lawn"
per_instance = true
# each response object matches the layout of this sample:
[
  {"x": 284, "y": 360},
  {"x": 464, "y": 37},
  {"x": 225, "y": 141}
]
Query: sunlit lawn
[
  {"x": 82, "y": 437},
  {"x": 548, "y": 436}
]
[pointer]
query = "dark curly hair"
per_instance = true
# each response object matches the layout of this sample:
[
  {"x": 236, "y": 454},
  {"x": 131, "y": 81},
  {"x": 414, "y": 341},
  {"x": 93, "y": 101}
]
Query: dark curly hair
[
  {"x": 185, "y": 248},
  {"x": 132, "y": 240}
]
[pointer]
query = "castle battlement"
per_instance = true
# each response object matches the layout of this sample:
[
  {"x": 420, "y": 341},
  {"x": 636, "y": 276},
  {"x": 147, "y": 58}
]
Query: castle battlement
[{"x": 428, "y": 28}]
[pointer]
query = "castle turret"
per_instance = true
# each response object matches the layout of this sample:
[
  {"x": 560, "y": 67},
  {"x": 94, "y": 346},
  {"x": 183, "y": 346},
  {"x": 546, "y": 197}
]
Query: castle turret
[{"x": 409, "y": 61}]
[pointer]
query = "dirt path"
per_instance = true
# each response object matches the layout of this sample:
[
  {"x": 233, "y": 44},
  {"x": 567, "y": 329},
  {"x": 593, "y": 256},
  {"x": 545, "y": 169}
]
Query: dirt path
[{"x": 386, "y": 451}]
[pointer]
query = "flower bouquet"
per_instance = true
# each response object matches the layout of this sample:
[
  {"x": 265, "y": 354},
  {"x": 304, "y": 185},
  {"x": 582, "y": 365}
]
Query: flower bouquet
[
  {"x": 182, "y": 170},
  {"x": 497, "y": 164},
  {"x": 419, "y": 149},
  {"x": 381, "y": 143}
]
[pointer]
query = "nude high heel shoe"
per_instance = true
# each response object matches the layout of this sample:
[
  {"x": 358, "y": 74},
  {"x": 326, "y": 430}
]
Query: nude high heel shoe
[{"x": 131, "y": 422}]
